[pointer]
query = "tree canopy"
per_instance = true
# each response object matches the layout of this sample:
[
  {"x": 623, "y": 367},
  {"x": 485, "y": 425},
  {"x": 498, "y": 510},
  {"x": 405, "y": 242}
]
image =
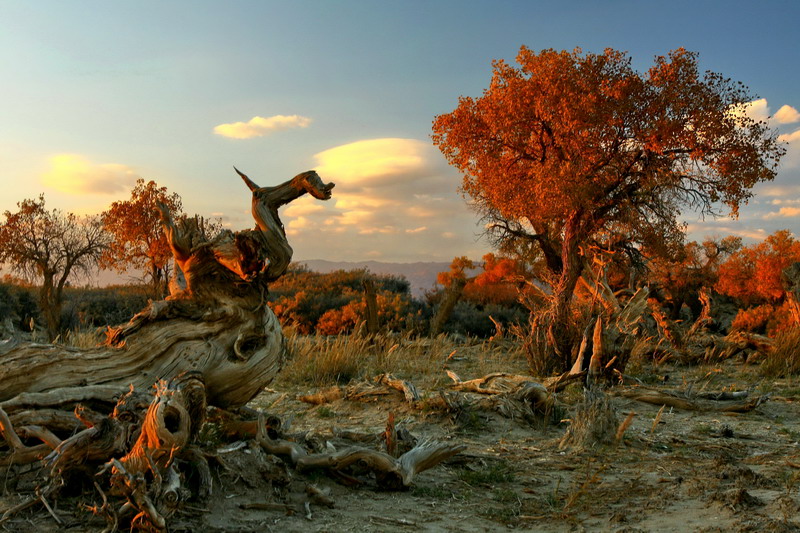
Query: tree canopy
[
  {"x": 138, "y": 236},
  {"x": 50, "y": 246},
  {"x": 570, "y": 144}
]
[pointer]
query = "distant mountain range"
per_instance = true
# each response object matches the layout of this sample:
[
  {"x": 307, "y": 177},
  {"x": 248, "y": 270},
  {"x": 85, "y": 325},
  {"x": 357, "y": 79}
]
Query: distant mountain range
[{"x": 421, "y": 276}]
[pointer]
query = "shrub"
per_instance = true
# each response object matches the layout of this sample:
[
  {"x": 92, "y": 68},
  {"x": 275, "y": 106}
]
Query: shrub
[
  {"x": 754, "y": 319},
  {"x": 333, "y": 303},
  {"x": 18, "y": 302},
  {"x": 767, "y": 318}
]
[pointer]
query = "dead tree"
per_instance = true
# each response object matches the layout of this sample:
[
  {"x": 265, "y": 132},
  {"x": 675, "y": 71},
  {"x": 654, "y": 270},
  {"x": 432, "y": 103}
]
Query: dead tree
[
  {"x": 140, "y": 400},
  {"x": 212, "y": 341},
  {"x": 218, "y": 324}
]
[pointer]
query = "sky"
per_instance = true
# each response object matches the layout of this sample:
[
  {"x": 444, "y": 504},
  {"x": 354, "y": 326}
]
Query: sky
[{"x": 94, "y": 95}]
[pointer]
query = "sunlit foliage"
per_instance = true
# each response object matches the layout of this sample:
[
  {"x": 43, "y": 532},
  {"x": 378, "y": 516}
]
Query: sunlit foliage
[
  {"x": 138, "y": 238},
  {"x": 475, "y": 291},
  {"x": 333, "y": 303},
  {"x": 752, "y": 275},
  {"x": 678, "y": 280},
  {"x": 568, "y": 144}
]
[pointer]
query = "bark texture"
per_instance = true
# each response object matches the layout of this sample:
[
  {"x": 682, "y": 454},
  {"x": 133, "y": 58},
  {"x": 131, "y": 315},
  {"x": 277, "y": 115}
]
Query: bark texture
[{"x": 215, "y": 322}]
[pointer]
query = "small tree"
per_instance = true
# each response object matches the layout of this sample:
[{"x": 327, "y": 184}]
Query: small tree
[
  {"x": 50, "y": 247},
  {"x": 138, "y": 236},
  {"x": 495, "y": 284},
  {"x": 453, "y": 282},
  {"x": 568, "y": 145}
]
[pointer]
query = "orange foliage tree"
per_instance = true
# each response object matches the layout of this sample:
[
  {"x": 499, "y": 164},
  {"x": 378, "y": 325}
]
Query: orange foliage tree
[
  {"x": 570, "y": 144},
  {"x": 753, "y": 274},
  {"x": 51, "y": 247},
  {"x": 495, "y": 283},
  {"x": 138, "y": 235}
]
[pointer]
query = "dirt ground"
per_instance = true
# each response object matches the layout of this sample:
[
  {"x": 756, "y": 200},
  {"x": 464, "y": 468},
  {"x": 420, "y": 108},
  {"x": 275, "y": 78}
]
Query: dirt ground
[{"x": 680, "y": 471}]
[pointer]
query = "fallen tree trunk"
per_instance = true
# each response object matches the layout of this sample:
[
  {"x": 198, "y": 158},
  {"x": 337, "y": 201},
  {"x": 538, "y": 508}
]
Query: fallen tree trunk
[
  {"x": 217, "y": 324},
  {"x": 725, "y": 402},
  {"x": 141, "y": 399}
]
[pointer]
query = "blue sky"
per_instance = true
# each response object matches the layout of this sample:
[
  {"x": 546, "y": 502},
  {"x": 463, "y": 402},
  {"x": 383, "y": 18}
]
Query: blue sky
[{"x": 96, "y": 94}]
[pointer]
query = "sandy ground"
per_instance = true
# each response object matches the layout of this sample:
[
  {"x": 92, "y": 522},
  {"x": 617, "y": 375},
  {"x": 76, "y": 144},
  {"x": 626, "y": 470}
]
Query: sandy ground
[{"x": 690, "y": 471}]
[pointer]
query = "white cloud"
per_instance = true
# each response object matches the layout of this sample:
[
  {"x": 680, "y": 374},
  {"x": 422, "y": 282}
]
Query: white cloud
[
  {"x": 417, "y": 230},
  {"x": 787, "y": 115},
  {"x": 780, "y": 190},
  {"x": 260, "y": 126},
  {"x": 699, "y": 231},
  {"x": 394, "y": 197},
  {"x": 303, "y": 206},
  {"x": 385, "y": 230},
  {"x": 384, "y": 186},
  {"x": 76, "y": 174},
  {"x": 377, "y": 162},
  {"x": 790, "y": 137},
  {"x": 783, "y": 212},
  {"x": 785, "y": 201}
]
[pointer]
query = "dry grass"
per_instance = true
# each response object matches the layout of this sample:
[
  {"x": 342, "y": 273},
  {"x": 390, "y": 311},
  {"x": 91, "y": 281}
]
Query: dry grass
[
  {"x": 81, "y": 339},
  {"x": 783, "y": 359},
  {"x": 593, "y": 424},
  {"x": 319, "y": 360}
]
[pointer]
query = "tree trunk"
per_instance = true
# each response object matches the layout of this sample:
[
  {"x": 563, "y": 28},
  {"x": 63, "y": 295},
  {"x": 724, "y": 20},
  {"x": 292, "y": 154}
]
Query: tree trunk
[
  {"x": 449, "y": 300},
  {"x": 560, "y": 335},
  {"x": 371, "y": 301},
  {"x": 217, "y": 325},
  {"x": 790, "y": 278},
  {"x": 50, "y": 306}
]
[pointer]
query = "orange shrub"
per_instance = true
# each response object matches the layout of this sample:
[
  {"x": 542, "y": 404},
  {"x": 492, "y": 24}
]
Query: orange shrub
[
  {"x": 753, "y": 274},
  {"x": 767, "y": 318},
  {"x": 753, "y": 319}
]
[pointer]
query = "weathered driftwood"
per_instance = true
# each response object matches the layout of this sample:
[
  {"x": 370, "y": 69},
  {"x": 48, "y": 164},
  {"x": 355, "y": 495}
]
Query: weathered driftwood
[
  {"x": 381, "y": 385},
  {"x": 494, "y": 383},
  {"x": 213, "y": 342},
  {"x": 512, "y": 396},
  {"x": 607, "y": 341},
  {"x": 142, "y": 458},
  {"x": 390, "y": 472},
  {"x": 726, "y": 402},
  {"x": 217, "y": 324}
]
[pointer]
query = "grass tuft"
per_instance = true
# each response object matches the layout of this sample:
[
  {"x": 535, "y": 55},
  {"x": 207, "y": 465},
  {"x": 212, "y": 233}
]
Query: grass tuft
[
  {"x": 594, "y": 423},
  {"x": 783, "y": 359},
  {"x": 320, "y": 360}
]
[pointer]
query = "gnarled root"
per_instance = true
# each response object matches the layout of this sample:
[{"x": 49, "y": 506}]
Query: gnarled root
[
  {"x": 390, "y": 473},
  {"x": 148, "y": 476}
]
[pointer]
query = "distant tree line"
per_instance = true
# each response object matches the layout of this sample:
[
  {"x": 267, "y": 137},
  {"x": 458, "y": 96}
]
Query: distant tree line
[{"x": 51, "y": 250}]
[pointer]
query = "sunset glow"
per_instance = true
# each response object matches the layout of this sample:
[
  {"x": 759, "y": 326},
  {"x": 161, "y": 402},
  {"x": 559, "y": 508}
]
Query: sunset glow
[{"x": 103, "y": 96}]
